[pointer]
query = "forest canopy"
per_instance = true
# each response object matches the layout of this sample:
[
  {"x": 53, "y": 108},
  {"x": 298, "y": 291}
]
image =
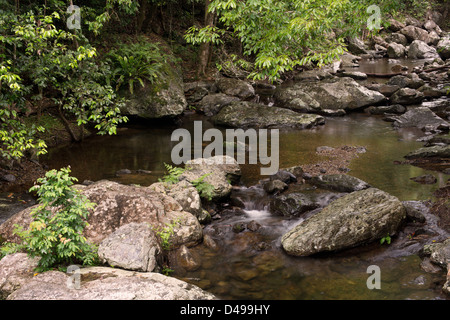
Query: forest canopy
[{"x": 48, "y": 60}]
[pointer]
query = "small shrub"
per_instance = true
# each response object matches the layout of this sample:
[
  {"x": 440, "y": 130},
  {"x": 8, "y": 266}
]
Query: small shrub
[{"x": 56, "y": 233}]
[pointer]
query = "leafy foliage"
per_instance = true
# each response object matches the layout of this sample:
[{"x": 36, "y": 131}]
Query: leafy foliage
[
  {"x": 205, "y": 189},
  {"x": 56, "y": 233},
  {"x": 140, "y": 61},
  {"x": 165, "y": 234},
  {"x": 39, "y": 59},
  {"x": 281, "y": 35},
  {"x": 173, "y": 173}
]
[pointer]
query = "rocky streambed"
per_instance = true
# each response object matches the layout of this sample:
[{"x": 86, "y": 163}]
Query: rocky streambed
[{"x": 363, "y": 147}]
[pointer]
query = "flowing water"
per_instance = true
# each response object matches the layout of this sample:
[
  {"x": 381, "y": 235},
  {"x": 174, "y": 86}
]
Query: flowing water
[{"x": 251, "y": 264}]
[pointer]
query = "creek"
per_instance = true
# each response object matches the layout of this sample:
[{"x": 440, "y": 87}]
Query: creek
[{"x": 252, "y": 264}]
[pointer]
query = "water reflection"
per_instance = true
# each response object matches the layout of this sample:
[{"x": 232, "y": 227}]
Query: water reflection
[{"x": 245, "y": 269}]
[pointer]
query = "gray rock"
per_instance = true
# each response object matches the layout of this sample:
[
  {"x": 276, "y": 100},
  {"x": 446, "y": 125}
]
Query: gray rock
[
  {"x": 430, "y": 152},
  {"x": 443, "y": 48},
  {"x": 118, "y": 205},
  {"x": 9, "y": 178},
  {"x": 358, "y": 218},
  {"x": 338, "y": 93},
  {"x": 395, "y": 25},
  {"x": 411, "y": 81},
  {"x": 166, "y": 99},
  {"x": 397, "y": 38},
  {"x": 425, "y": 179},
  {"x": 421, "y": 50},
  {"x": 184, "y": 193},
  {"x": 247, "y": 114},
  {"x": 407, "y": 96},
  {"x": 293, "y": 204},
  {"x": 396, "y": 50},
  {"x": 396, "y": 108},
  {"x": 420, "y": 117},
  {"x": 15, "y": 270},
  {"x": 349, "y": 61},
  {"x": 219, "y": 171},
  {"x": 235, "y": 87},
  {"x": 413, "y": 33},
  {"x": 313, "y": 75},
  {"x": 415, "y": 210},
  {"x": 212, "y": 103},
  {"x": 195, "y": 91},
  {"x": 339, "y": 182},
  {"x": 356, "y": 46},
  {"x": 273, "y": 186},
  {"x": 356, "y": 75},
  {"x": 109, "y": 284},
  {"x": 439, "y": 253},
  {"x": 133, "y": 246}
]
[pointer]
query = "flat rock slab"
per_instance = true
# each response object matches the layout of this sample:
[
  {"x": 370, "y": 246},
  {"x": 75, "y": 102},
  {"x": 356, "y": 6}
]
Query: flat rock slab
[{"x": 253, "y": 115}]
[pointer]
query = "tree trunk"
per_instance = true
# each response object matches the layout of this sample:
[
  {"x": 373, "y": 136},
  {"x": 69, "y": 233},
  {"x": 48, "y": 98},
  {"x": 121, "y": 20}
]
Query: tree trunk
[
  {"x": 205, "y": 48},
  {"x": 141, "y": 16}
]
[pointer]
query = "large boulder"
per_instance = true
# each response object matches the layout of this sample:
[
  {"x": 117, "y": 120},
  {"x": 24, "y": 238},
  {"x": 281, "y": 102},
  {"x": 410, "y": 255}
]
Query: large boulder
[
  {"x": 413, "y": 33},
  {"x": 397, "y": 38},
  {"x": 421, "y": 50},
  {"x": 98, "y": 283},
  {"x": 422, "y": 118},
  {"x": 247, "y": 114},
  {"x": 396, "y": 50},
  {"x": 15, "y": 270},
  {"x": 184, "y": 193},
  {"x": 407, "y": 96},
  {"x": 235, "y": 87},
  {"x": 211, "y": 104},
  {"x": 118, "y": 205},
  {"x": 337, "y": 93},
  {"x": 163, "y": 99},
  {"x": 358, "y": 218},
  {"x": 133, "y": 246}
]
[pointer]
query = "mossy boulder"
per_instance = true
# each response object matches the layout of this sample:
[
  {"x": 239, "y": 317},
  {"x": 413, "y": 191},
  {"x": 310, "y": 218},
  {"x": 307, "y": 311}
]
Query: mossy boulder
[{"x": 165, "y": 98}]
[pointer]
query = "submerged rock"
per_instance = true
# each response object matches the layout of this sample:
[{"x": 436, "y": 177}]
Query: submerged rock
[
  {"x": 293, "y": 204},
  {"x": 339, "y": 182},
  {"x": 420, "y": 117},
  {"x": 430, "y": 152},
  {"x": 407, "y": 96},
  {"x": 247, "y": 114},
  {"x": 355, "y": 219}
]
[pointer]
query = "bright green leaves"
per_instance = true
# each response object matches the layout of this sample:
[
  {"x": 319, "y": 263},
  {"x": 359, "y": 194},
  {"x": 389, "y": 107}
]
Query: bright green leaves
[
  {"x": 207, "y": 34},
  {"x": 56, "y": 233},
  {"x": 136, "y": 63},
  {"x": 280, "y": 35}
]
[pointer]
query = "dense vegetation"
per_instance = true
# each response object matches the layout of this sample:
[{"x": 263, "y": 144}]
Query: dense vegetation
[{"x": 50, "y": 64}]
